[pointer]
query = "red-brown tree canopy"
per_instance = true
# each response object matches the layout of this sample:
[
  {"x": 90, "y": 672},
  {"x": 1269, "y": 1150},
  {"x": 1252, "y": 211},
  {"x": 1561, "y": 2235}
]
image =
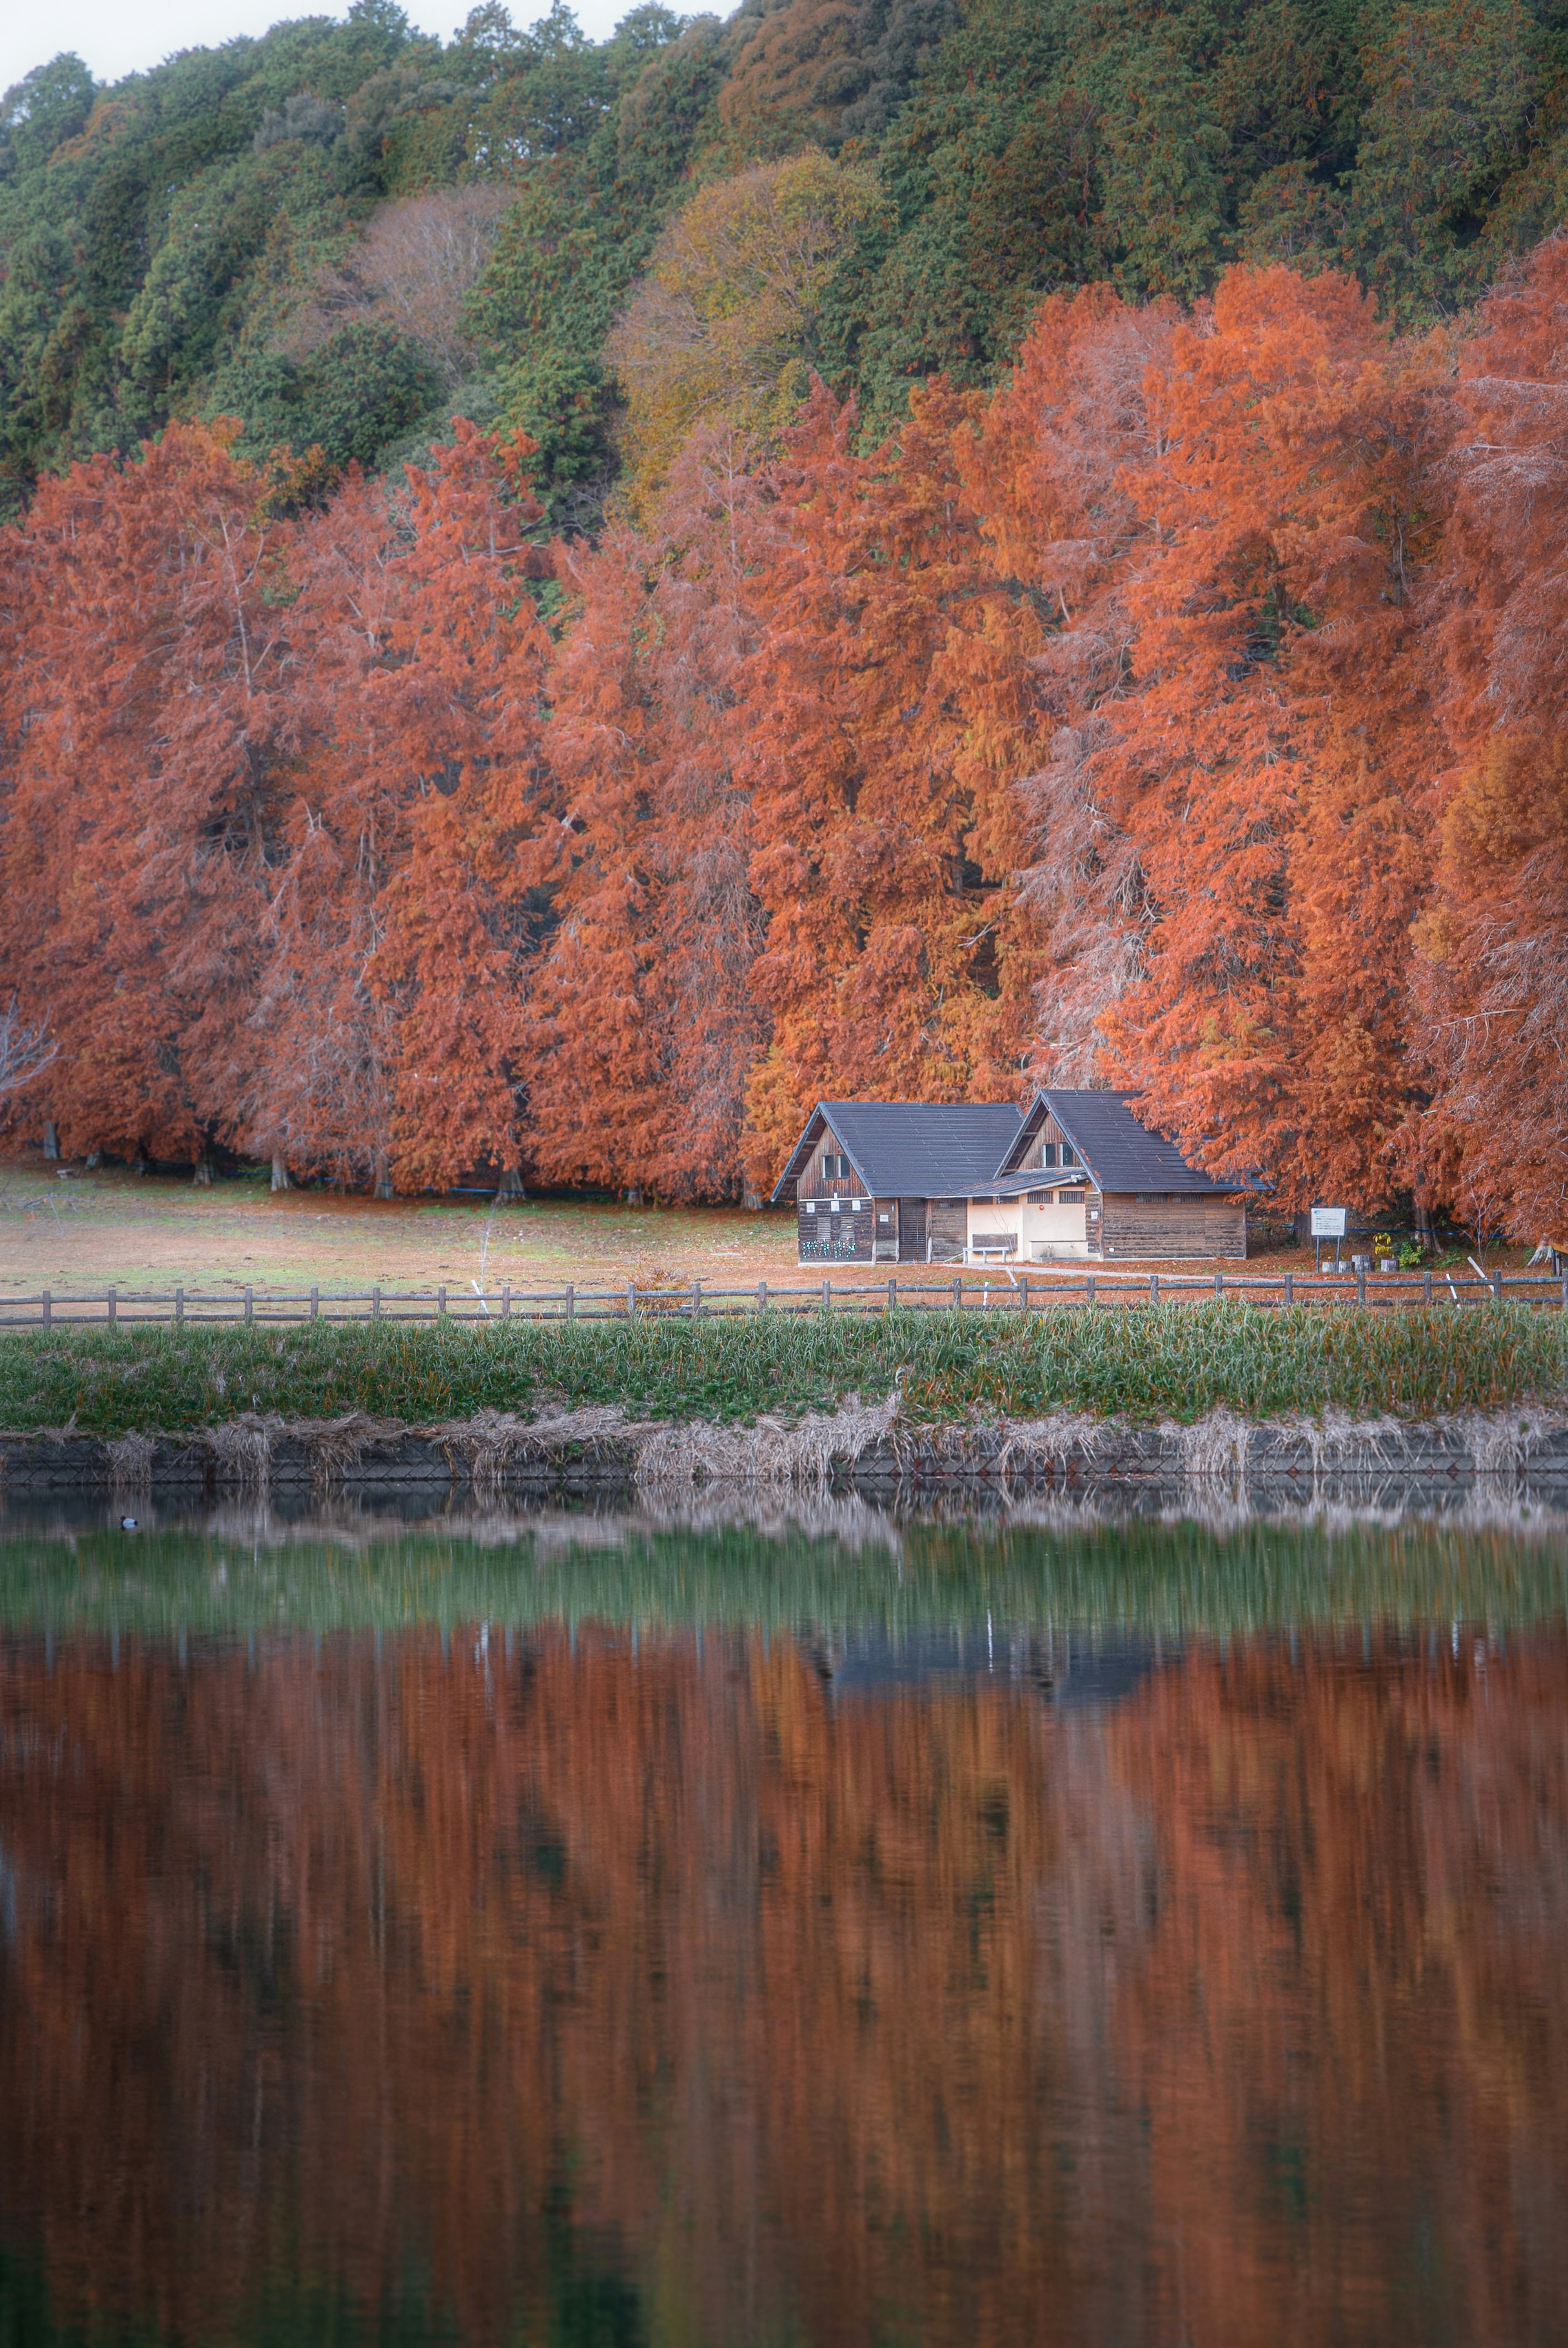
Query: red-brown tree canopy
[{"x": 1182, "y": 715}]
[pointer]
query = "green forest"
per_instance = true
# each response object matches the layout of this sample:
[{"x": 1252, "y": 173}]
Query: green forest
[{"x": 345, "y": 234}]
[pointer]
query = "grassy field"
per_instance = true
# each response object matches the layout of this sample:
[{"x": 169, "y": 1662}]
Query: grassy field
[
  {"x": 1177, "y": 1364},
  {"x": 152, "y": 1231}
]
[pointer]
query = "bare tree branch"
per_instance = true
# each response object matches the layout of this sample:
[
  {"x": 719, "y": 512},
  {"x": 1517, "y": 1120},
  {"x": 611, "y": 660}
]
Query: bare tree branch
[{"x": 24, "y": 1051}]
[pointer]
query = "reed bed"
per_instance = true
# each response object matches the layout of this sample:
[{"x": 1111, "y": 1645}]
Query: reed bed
[{"x": 1145, "y": 1363}]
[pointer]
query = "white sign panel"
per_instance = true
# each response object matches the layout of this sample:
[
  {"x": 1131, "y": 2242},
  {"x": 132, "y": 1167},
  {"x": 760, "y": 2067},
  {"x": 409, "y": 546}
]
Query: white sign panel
[{"x": 1327, "y": 1222}]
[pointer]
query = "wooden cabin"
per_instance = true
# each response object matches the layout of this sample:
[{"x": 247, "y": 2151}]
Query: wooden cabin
[{"x": 1076, "y": 1176}]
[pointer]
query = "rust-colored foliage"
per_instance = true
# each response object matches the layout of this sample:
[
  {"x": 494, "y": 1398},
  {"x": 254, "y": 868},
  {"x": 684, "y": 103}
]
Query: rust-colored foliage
[
  {"x": 644, "y": 1020},
  {"x": 149, "y": 703},
  {"x": 1182, "y": 713},
  {"x": 883, "y": 970},
  {"x": 1494, "y": 996}
]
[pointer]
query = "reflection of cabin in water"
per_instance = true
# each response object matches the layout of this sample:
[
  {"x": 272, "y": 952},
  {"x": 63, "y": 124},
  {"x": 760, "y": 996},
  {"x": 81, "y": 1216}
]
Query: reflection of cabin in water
[{"x": 943, "y": 1182}]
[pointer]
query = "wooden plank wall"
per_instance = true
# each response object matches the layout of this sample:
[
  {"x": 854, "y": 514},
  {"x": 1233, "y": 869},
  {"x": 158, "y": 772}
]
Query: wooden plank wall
[
  {"x": 1171, "y": 1229},
  {"x": 949, "y": 1227}
]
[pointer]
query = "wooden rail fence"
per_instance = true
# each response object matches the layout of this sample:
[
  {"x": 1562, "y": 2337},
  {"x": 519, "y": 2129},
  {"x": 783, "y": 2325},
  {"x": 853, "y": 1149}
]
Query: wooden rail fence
[{"x": 188, "y": 1307}]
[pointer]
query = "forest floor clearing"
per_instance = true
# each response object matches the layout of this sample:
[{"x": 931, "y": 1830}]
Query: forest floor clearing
[
  {"x": 1145, "y": 1364},
  {"x": 87, "y": 1232}
]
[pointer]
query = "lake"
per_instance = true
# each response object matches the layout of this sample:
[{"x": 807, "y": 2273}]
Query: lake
[{"x": 796, "y": 1926}]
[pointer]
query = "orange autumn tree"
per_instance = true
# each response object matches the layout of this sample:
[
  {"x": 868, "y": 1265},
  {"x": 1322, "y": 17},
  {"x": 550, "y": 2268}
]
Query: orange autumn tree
[
  {"x": 387, "y": 1038},
  {"x": 885, "y": 972},
  {"x": 1240, "y": 740},
  {"x": 1281, "y": 831},
  {"x": 1050, "y": 472},
  {"x": 148, "y": 700},
  {"x": 644, "y": 1020},
  {"x": 1492, "y": 972}
]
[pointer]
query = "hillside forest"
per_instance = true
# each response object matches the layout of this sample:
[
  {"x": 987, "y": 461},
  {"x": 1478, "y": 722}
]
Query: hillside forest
[{"x": 561, "y": 600}]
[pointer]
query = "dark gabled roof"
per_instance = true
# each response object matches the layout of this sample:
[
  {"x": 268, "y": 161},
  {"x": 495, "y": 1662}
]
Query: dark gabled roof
[
  {"x": 913, "y": 1149},
  {"x": 1120, "y": 1153}
]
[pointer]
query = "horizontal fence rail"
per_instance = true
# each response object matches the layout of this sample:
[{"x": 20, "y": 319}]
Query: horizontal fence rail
[{"x": 184, "y": 1307}]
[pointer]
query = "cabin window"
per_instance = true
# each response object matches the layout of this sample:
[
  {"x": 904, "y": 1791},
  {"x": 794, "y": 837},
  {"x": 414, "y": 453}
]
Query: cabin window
[
  {"x": 833, "y": 1168},
  {"x": 835, "y": 1205},
  {"x": 1069, "y": 1154},
  {"x": 1047, "y": 1154},
  {"x": 884, "y": 1219},
  {"x": 811, "y": 1206},
  {"x": 1040, "y": 1198}
]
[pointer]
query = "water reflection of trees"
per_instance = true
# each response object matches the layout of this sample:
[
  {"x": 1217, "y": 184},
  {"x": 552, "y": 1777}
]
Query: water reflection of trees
[{"x": 1232, "y": 2013}]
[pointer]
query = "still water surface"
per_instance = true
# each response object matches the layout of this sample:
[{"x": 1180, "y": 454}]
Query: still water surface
[{"x": 600, "y": 1932}]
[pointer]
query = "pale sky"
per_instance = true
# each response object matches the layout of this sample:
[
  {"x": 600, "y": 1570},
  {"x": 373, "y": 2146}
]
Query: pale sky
[{"x": 121, "y": 37}]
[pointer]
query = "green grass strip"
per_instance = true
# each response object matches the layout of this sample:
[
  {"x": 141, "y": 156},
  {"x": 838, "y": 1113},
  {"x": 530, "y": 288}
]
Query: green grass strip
[{"x": 1175, "y": 1362}]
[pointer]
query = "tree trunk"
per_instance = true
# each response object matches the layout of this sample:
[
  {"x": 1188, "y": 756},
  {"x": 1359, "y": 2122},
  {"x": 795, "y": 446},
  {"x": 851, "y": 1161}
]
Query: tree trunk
[
  {"x": 634, "y": 1197},
  {"x": 383, "y": 1184},
  {"x": 94, "y": 1159},
  {"x": 201, "y": 1174},
  {"x": 511, "y": 1185},
  {"x": 51, "y": 1141},
  {"x": 754, "y": 1202},
  {"x": 280, "y": 1173}
]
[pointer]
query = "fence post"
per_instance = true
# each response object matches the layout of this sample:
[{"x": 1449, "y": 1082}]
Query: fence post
[
  {"x": 761, "y": 1296},
  {"x": 958, "y": 1292},
  {"x": 630, "y": 1299},
  {"x": 892, "y": 1294},
  {"x": 696, "y": 1299},
  {"x": 1497, "y": 1288},
  {"x": 49, "y": 1307},
  {"x": 1290, "y": 1288},
  {"x": 441, "y": 1301},
  {"x": 1089, "y": 1289},
  {"x": 505, "y": 1300},
  {"x": 1219, "y": 1283},
  {"x": 1153, "y": 1288},
  {"x": 1023, "y": 1294},
  {"x": 827, "y": 1297},
  {"x": 113, "y": 1309},
  {"x": 1360, "y": 1285},
  {"x": 1427, "y": 1287},
  {"x": 571, "y": 1299},
  {"x": 250, "y": 1301},
  {"x": 180, "y": 1308},
  {"x": 315, "y": 1304},
  {"x": 375, "y": 1303}
]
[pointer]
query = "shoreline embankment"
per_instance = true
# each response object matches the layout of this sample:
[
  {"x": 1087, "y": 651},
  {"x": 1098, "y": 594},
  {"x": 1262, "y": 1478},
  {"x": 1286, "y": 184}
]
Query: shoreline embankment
[{"x": 874, "y": 1450}]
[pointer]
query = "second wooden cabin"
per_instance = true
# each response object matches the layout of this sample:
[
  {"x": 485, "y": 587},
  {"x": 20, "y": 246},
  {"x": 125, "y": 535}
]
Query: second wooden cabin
[{"x": 1078, "y": 1174}]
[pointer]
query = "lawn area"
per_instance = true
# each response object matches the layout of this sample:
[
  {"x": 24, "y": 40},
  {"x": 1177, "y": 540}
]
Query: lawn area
[
  {"x": 1171, "y": 1362},
  {"x": 153, "y": 1230}
]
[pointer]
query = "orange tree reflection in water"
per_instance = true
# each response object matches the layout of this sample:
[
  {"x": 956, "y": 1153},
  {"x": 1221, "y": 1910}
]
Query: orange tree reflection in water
[{"x": 580, "y": 1992}]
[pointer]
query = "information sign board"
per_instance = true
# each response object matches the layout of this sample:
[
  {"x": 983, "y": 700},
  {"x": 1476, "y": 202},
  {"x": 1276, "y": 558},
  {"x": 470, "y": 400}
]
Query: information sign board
[{"x": 1327, "y": 1222}]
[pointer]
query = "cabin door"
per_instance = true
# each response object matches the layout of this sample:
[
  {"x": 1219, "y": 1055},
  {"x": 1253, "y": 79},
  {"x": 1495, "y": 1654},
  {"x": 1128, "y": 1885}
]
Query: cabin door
[{"x": 911, "y": 1231}]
